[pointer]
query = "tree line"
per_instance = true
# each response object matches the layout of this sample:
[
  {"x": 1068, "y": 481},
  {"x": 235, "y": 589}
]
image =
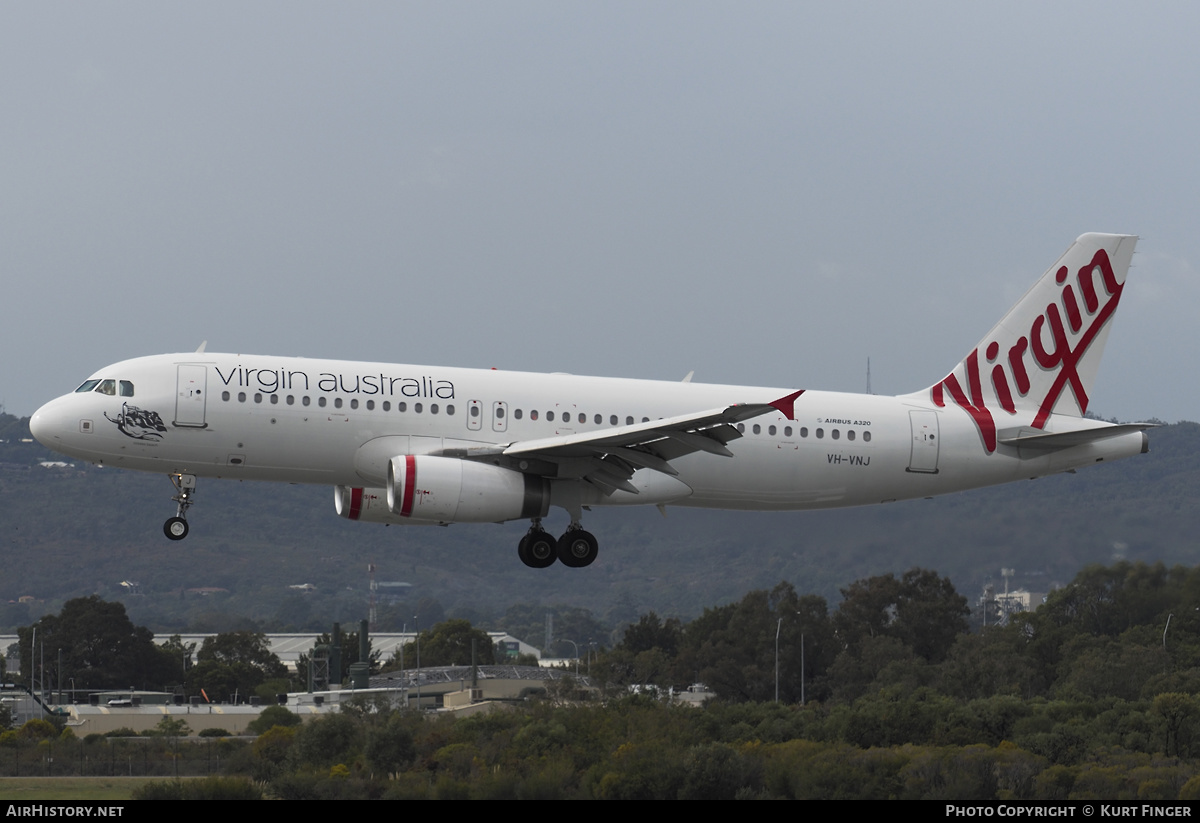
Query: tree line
[{"x": 1090, "y": 695}]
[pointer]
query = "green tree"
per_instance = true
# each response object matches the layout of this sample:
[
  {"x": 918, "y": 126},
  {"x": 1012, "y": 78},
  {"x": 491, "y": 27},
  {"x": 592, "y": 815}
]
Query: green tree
[
  {"x": 390, "y": 745},
  {"x": 449, "y": 644},
  {"x": 921, "y": 609},
  {"x": 334, "y": 738},
  {"x": 234, "y": 663},
  {"x": 273, "y": 716},
  {"x": 732, "y": 648},
  {"x": 101, "y": 648},
  {"x": 651, "y": 632}
]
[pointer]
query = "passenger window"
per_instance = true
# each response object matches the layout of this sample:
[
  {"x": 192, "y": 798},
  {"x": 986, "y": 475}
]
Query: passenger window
[
  {"x": 850, "y": 434},
  {"x": 550, "y": 416},
  {"x": 257, "y": 397},
  {"x": 499, "y": 412},
  {"x": 241, "y": 397},
  {"x": 866, "y": 437},
  {"x": 835, "y": 434},
  {"x": 757, "y": 429},
  {"x": 370, "y": 405},
  {"x": 787, "y": 431},
  {"x": 629, "y": 420},
  {"x": 742, "y": 427},
  {"x": 291, "y": 400},
  {"x": 305, "y": 400},
  {"x": 417, "y": 407},
  {"x": 354, "y": 403},
  {"x": 387, "y": 405},
  {"x": 820, "y": 433},
  {"x": 274, "y": 400},
  {"x": 433, "y": 408},
  {"x": 582, "y": 417},
  {"x": 770, "y": 430},
  {"x": 126, "y": 388},
  {"x": 804, "y": 431},
  {"x": 533, "y": 415},
  {"x": 517, "y": 413},
  {"x": 474, "y": 411},
  {"x": 450, "y": 410},
  {"x": 401, "y": 406},
  {"x": 224, "y": 395},
  {"x": 321, "y": 402},
  {"x": 612, "y": 421},
  {"x": 337, "y": 402}
]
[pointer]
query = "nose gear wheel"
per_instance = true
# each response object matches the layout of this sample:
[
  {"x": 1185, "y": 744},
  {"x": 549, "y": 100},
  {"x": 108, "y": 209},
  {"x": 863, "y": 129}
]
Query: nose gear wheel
[{"x": 176, "y": 528}]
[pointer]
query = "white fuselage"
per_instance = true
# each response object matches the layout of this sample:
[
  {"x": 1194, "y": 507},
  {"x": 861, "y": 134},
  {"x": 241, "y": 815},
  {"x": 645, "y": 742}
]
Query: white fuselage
[{"x": 338, "y": 423}]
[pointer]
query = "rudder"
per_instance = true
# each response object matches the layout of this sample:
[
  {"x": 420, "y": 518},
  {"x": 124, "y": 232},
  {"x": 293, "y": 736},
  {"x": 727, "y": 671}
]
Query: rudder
[{"x": 1042, "y": 357}]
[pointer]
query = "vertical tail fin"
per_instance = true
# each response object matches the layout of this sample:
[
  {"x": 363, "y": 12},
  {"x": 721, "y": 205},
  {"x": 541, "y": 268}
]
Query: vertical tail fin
[{"x": 1042, "y": 357}]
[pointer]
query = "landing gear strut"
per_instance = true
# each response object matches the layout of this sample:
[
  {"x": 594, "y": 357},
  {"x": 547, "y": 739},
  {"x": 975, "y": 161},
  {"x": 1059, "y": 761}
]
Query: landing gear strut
[
  {"x": 176, "y": 528},
  {"x": 576, "y": 548}
]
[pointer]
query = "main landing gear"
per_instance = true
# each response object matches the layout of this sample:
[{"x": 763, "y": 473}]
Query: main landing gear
[
  {"x": 176, "y": 528},
  {"x": 576, "y": 548}
]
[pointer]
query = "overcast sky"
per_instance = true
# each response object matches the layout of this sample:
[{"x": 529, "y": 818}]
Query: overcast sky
[{"x": 766, "y": 193}]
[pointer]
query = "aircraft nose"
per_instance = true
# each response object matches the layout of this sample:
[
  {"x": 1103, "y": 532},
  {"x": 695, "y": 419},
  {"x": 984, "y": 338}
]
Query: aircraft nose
[{"x": 46, "y": 424}]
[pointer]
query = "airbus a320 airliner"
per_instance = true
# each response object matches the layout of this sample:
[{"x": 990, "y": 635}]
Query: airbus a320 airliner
[{"x": 429, "y": 445}]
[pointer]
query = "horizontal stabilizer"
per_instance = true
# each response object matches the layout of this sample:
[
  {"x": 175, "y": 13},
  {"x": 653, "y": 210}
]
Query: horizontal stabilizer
[{"x": 1027, "y": 438}]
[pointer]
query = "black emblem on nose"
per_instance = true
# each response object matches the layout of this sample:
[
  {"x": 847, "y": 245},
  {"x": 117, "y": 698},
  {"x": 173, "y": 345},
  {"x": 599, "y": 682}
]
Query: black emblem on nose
[{"x": 139, "y": 424}]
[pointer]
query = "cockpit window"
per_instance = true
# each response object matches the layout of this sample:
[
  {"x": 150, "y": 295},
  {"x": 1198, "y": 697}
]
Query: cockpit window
[
  {"x": 87, "y": 385},
  {"x": 126, "y": 388},
  {"x": 107, "y": 387}
]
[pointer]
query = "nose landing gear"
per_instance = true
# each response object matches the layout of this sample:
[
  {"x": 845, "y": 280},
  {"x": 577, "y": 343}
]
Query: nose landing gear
[{"x": 176, "y": 528}]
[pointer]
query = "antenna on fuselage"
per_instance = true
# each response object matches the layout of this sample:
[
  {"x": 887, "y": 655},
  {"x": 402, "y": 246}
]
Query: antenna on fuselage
[
  {"x": 200, "y": 350},
  {"x": 688, "y": 377}
]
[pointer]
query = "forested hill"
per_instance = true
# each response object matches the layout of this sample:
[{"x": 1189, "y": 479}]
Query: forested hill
[{"x": 81, "y": 530}]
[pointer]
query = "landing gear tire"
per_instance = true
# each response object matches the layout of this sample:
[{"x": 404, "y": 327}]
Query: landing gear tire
[
  {"x": 176, "y": 528},
  {"x": 577, "y": 549},
  {"x": 537, "y": 550}
]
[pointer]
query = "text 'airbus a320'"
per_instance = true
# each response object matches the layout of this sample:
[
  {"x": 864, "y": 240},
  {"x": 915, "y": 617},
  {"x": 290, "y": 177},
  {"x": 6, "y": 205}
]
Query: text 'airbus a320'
[{"x": 431, "y": 445}]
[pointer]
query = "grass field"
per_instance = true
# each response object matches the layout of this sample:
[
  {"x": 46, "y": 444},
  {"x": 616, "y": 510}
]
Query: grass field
[{"x": 24, "y": 789}]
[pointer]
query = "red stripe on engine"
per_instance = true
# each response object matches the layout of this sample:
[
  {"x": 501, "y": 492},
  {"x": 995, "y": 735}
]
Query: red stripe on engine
[
  {"x": 355, "y": 503},
  {"x": 410, "y": 477}
]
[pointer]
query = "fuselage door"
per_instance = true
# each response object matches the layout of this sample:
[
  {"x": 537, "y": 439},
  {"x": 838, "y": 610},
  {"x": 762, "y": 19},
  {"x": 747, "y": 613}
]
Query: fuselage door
[
  {"x": 924, "y": 457},
  {"x": 474, "y": 415},
  {"x": 191, "y": 394},
  {"x": 499, "y": 416}
]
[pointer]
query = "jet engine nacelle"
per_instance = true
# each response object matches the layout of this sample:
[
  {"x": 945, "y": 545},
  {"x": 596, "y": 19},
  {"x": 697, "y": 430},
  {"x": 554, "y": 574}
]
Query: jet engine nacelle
[
  {"x": 367, "y": 505},
  {"x": 450, "y": 490}
]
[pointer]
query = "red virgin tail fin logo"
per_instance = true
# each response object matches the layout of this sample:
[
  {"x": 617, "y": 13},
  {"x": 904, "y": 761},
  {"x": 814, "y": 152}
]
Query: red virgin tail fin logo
[{"x": 1041, "y": 359}]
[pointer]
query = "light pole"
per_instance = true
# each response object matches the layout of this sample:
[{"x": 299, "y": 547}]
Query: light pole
[
  {"x": 778, "y": 626},
  {"x": 576, "y": 645}
]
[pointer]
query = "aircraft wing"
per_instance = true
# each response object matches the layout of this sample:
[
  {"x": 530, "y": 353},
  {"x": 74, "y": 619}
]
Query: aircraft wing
[{"x": 609, "y": 457}]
